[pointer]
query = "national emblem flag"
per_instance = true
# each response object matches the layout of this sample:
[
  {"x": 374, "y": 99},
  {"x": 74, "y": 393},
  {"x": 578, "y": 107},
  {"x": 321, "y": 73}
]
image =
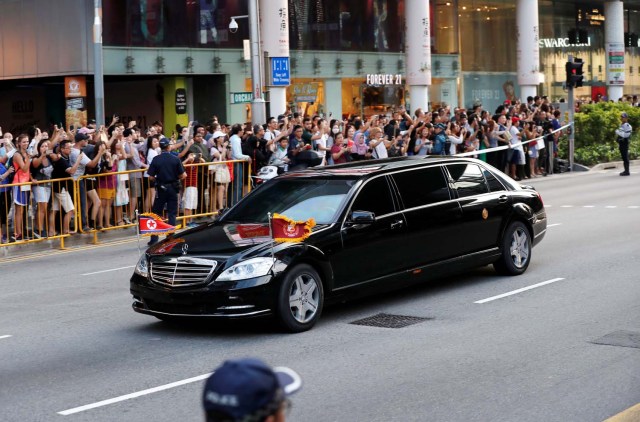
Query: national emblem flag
[
  {"x": 152, "y": 224},
  {"x": 284, "y": 229}
]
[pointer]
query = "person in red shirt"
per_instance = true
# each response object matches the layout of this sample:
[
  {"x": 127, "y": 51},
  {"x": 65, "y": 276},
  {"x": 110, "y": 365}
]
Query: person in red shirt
[{"x": 340, "y": 151}]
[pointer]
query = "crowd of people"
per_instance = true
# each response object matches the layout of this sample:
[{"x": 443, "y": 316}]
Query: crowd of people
[{"x": 107, "y": 164}]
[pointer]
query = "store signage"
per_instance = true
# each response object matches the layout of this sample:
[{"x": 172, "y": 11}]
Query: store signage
[
  {"x": 305, "y": 93},
  {"x": 561, "y": 43},
  {"x": 280, "y": 75},
  {"x": 75, "y": 92},
  {"x": 384, "y": 79},
  {"x": 615, "y": 63},
  {"x": 241, "y": 97},
  {"x": 181, "y": 101}
]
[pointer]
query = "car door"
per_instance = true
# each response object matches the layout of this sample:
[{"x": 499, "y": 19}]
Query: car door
[
  {"x": 433, "y": 216},
  {"x": 485, "y": 204},
  {"x": 370, "y": 251}
]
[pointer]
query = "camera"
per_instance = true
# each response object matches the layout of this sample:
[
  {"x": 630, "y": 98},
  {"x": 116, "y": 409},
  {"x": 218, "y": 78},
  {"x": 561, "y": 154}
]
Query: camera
[{"x": 233, "y": 26}]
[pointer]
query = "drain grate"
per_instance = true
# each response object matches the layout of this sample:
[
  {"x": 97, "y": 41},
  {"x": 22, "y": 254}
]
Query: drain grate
[
  {"x": 389, "y": 321},
  {"x": 620, "y": 338}
]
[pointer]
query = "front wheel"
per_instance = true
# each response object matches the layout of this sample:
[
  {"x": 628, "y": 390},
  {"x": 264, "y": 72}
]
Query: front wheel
[
  {"x": 300, "y": 299},
  {"x": 516, "y": 250}
]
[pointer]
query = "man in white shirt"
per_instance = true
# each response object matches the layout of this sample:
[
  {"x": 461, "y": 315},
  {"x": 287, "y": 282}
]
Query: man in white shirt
[{"x": 623, "y": 134}]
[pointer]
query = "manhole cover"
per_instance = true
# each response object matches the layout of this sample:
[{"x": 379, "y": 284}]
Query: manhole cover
[
  {"x": 620, "y": 338},
  {"x": 389, "y": 321}
]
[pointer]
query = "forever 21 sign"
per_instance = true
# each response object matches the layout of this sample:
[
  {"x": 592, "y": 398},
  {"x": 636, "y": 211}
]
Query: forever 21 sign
[{"x": 181, "y": 101}]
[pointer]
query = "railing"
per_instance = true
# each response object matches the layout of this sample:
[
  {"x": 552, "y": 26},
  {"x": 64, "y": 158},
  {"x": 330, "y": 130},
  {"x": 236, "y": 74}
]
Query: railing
[{"x": 93, "y": 204}]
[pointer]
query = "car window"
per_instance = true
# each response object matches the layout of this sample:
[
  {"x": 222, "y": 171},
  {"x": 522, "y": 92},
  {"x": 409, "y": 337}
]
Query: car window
[
  {"x": 375, "y": 197},
  {"x": 422, "y": 186},
  {"x": 494, "y": 183},
  {"x": 296, "y": 198},
  {"x": 468, "y": 180}
]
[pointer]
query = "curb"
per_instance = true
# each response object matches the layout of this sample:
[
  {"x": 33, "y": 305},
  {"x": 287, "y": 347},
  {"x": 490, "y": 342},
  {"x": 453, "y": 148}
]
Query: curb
[{"x": 613, "y": 165}]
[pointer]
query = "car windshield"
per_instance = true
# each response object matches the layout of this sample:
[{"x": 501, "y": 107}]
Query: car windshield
[{"x": 298, "y": 199}]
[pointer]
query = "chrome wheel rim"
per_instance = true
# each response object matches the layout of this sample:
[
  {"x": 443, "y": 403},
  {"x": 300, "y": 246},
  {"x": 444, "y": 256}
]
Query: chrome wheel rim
[
  {"x": 519, "y": 248},
  {"x": 304, "y": 298}
]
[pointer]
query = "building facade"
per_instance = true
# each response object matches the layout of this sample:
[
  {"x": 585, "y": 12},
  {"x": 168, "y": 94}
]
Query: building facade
[{"x": 177, "y": 60}]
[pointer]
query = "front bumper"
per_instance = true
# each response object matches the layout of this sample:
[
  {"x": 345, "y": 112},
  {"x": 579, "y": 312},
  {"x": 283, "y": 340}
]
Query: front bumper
[{"x": 204, "y": 302}]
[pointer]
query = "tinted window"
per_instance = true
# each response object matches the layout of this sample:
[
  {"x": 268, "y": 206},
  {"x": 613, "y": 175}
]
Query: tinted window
[
  {"x": 494, "y": 183},
  {"x": 468, "y": 180},
  {"x": 374, "y": 197},
  {"x": 422, "y": 186},
  {"x": 298, "y": 199}
]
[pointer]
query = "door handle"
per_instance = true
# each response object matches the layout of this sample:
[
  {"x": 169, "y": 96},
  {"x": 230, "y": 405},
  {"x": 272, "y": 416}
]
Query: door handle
[
  {"x": 503, "y": 199},
  {"x": 396, "y": 224}
]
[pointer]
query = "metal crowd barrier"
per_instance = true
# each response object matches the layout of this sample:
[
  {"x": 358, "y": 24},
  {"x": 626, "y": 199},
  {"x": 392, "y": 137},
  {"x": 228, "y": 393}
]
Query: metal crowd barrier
[{"x": 42, "y": 210}]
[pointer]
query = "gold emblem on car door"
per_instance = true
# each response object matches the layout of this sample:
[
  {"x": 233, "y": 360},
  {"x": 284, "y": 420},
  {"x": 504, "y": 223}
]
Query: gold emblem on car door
[{"x": 485, "y": 213}]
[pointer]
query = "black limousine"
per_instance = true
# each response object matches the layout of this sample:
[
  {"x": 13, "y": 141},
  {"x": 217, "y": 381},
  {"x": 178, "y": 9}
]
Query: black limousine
[{"x": 380, "y": 224}]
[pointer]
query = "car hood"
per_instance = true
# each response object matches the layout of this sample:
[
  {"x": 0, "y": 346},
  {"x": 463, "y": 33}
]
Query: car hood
[{"x": 213, "y": 239}]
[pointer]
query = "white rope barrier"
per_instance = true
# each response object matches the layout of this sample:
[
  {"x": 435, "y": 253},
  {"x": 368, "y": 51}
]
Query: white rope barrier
[{"x": 510, "y": 146}]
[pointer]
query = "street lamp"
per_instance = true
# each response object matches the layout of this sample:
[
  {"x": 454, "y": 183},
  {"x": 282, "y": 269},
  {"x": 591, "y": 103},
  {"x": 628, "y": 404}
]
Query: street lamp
[{"x": 258, "y": 105}]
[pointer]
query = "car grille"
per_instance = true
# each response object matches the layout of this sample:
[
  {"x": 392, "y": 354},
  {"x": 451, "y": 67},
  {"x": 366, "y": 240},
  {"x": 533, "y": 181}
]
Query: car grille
[{"x": 181, "y": 271}]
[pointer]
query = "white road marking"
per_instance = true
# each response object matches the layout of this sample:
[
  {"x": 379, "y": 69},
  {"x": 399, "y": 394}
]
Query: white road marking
[
  {"x": 5, "y": 336},
  {"x": 634, "y": 206},
  {"x": 107, "y": 271},
  {"x": 611, "y": 206},
  {"x": 553, "y": 225},
  {"x": 544, "y": 283},
  {"x": 566, "y": 206},
  {"x": 589, "y": 206},
  {"x": 132, "y": 395}
]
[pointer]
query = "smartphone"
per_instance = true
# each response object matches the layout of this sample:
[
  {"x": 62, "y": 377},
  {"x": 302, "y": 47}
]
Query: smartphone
[
  {"x": 71, "y": 127},
  {"x": 60, "y": 125}
]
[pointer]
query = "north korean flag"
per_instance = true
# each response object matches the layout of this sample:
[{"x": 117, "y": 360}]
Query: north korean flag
[{"x": 152, "y": 224}]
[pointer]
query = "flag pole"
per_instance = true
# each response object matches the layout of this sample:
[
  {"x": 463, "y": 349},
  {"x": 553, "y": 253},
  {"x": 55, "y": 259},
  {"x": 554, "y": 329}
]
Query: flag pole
[
  {"x": 138, "y": 232},
  {"x": 272, "y": 240}
]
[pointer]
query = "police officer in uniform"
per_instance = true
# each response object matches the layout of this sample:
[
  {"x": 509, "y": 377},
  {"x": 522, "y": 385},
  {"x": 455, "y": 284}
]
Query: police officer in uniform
[
  {"x": 167, "y": 171},
  {"x": 623, "y": 134}
]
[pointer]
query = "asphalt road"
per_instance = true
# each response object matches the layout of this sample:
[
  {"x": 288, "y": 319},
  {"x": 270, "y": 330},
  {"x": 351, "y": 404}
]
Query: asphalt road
[{"x": 69, "y": 338}]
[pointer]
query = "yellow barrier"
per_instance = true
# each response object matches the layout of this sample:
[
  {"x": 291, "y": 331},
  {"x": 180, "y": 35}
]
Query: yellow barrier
[{"x": 46, "y": 210}]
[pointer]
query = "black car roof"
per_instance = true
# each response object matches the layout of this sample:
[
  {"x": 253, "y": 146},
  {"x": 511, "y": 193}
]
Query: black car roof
[{"x": 361, "y": 169}]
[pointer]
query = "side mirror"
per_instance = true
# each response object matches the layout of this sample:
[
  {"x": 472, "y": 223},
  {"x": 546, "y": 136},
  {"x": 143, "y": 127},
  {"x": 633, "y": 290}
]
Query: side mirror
[{"x": 362, "y": 217}]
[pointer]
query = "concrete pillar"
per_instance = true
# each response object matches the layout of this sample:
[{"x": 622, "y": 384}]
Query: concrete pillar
[
  {"x": 418, "y": 52},
  {"x": 614, "y": 47},
  {"x": 274, "y": 27},
  {"x": 333, "y": 98},
  {"x": 528, "y": 49}
]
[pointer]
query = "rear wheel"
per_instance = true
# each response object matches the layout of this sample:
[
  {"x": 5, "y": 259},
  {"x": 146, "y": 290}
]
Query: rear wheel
[
  {"x": 516, "y": 250},
  {"x": 300, "y": 299}
]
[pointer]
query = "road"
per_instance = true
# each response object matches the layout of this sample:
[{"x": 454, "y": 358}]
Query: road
[{"x": 68, "y": 336}]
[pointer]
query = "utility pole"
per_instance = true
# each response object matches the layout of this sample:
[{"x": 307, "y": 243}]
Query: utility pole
[
  {"x": 98, "y": 71},
  {"x": 572, "y": 132},
  {"x": 258, "y": 105}
]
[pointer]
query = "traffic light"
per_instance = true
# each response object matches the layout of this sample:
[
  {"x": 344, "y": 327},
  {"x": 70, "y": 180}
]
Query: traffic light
[
  {"x": 575, "y": 75},
  {"x": 630, "y": 39}
]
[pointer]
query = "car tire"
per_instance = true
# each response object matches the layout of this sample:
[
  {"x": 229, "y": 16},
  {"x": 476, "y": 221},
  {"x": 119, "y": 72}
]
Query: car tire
[
  {"x": 300, "y": 299},
  {"x": 516, "y": 250}
]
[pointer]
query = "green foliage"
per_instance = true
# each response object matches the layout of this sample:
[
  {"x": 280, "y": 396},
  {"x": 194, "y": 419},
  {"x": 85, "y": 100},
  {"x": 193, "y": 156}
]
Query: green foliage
[{"x": 595, "y": 140}]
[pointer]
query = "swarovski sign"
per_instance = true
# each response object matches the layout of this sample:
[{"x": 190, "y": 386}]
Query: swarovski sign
[{"x": 561, "y": 43}]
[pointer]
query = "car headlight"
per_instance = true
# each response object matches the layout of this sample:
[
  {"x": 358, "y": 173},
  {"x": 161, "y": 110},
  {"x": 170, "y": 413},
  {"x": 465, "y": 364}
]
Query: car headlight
[
  {"x": 142, "y": 267},
  {"x": 255, "y": 267}
]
